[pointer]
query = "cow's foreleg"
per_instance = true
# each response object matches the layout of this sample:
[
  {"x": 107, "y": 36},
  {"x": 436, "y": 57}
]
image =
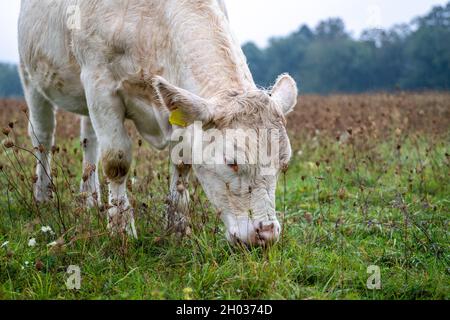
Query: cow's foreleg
[
  {"x": 107, "y": 114},
  {"x": 41, "y": 130},
  {"x": 90, "y": 184},
  {"x": 178, "y": 205}
]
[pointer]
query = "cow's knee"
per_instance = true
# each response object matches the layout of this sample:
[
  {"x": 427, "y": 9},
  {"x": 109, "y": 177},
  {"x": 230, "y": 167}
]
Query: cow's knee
[{"x": 116, "y": 164}]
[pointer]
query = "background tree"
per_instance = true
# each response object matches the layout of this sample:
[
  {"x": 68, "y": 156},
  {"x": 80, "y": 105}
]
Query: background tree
[
  {"x": 10, "y": 85},
  {"x": 414, "y": 56}
]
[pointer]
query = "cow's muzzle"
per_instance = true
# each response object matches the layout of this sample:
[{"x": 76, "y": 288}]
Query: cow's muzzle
[{"x": 255, "y": 233}]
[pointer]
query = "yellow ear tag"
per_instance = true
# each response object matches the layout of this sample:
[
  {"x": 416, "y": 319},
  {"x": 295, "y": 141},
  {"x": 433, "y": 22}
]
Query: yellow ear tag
[{"x": 177, "y": 118}]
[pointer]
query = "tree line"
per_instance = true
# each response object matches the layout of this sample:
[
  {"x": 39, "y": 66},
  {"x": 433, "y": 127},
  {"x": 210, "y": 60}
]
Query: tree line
[
  {"x": 327, "y": 59},
  {"x": 414, "y": 56},
  {"x": 10, "y": 85}
]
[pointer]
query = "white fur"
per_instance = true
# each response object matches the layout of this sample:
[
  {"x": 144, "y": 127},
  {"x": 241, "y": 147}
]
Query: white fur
[{"x": 105, "y": 70}]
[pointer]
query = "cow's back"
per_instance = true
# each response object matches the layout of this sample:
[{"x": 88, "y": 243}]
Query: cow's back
[
  {"x": 115, "y": 36},
  {"x": 123, "y": 39},
  {"x": 45, "y": 48},
  {"x": 42, "y": 31}
]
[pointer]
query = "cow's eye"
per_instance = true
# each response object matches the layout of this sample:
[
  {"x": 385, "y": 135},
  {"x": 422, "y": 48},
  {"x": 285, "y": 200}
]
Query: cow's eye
[{"x": 234, "y": 167}]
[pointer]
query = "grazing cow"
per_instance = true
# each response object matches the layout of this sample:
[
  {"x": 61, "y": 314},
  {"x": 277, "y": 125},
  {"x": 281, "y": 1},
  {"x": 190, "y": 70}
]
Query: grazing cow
[{"x": 149, "y": 61}]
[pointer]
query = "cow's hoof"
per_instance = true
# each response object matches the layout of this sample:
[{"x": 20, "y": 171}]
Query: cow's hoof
[{"x": 121, "y": 221}]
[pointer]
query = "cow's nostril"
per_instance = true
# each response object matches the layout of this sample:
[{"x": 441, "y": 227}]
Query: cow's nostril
[
  {"x": 255, "y": 234},
  {"x": 265, "y": 234}
]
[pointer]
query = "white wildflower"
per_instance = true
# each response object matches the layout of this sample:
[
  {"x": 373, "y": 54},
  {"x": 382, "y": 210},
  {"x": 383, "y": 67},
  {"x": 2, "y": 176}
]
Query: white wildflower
[
  {"x": 52, "y": 244},
  {"x": 47, "y": 229},
  {"x": 4, "y": 244},
  {"x": 32, "y": 242}
]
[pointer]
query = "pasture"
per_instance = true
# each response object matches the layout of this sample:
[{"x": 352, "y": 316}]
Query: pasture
[{"x": 368, "y": 185}]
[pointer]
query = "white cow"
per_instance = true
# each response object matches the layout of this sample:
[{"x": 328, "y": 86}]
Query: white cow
[{"x": 111, "y": 60}]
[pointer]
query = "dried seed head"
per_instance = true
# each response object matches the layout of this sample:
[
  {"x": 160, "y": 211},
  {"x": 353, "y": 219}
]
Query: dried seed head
[
  {"x": 55, "y": 172},
  {"x": 39, "y": 265},
  {"x": 88, "y": 171},
  {"x": 308, "y": 217},
  {"x": 180, "y": 164},
  {"x": 181, "y": 188},
  {"x": 6, "y": 131},
  {"x": 8, "y": 144},
  {"x": 85, "y": 176}
]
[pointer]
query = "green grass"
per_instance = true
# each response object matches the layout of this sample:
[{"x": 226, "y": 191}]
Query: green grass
[{"x": 344, "y": 207}]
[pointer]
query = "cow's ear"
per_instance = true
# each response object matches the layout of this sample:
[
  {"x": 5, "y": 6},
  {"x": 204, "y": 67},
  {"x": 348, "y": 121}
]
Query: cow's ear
[
  {"x": 186, "y": 107},
  {"x": 285, "y": 93}
]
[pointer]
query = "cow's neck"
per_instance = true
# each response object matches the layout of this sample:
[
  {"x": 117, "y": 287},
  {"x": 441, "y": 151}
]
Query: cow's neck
[{"x": 208, "y": 58}]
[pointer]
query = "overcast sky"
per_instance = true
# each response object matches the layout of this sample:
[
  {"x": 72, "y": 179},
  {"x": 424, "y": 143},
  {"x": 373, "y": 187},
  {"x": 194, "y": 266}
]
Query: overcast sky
[{"x": 258, "y": 20}]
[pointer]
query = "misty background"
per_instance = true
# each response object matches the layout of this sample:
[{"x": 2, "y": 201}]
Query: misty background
[{"x": 380, "y": 46}]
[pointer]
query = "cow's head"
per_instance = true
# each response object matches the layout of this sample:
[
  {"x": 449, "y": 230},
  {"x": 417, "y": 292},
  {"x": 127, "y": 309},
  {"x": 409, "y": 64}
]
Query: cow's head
[{"x": 239, "y": 175}]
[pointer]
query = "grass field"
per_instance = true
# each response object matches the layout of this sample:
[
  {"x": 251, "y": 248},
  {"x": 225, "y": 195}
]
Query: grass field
[{"x": 368, "y": 185}]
